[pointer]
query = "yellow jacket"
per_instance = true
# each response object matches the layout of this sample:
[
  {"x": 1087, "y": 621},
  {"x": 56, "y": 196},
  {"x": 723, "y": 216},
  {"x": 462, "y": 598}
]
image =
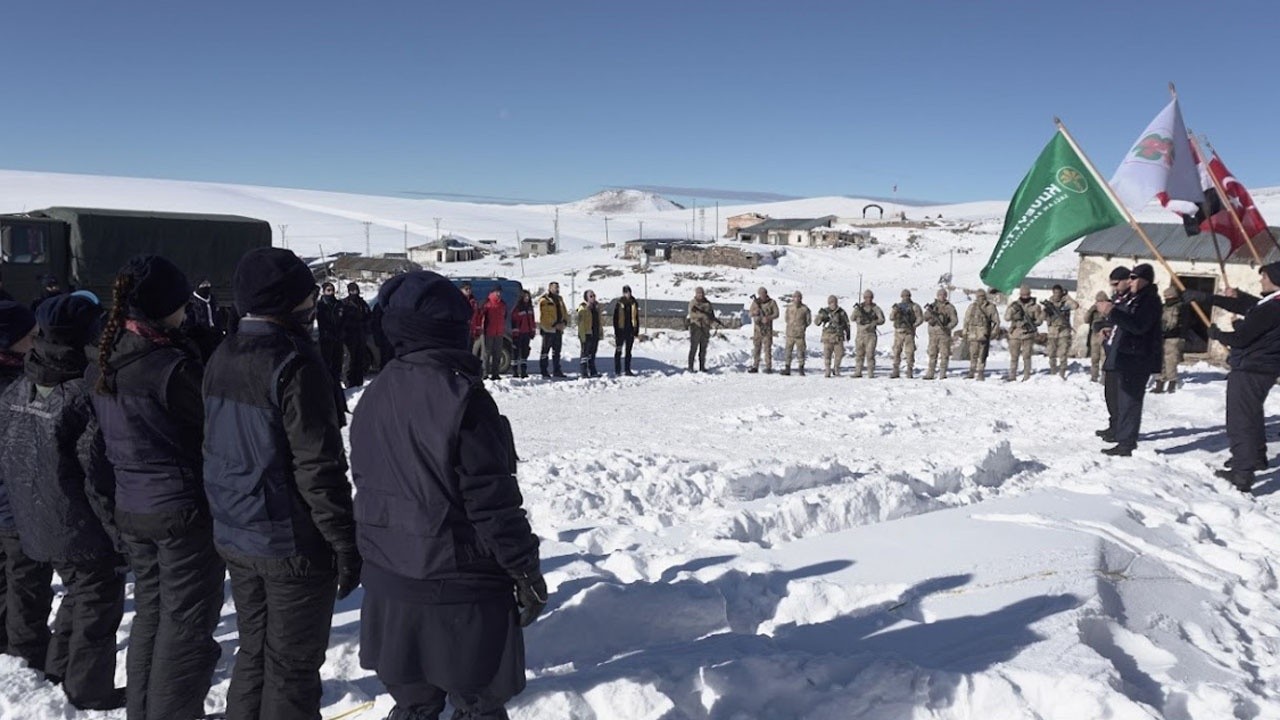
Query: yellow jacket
[{"x": 552, "y": 312}]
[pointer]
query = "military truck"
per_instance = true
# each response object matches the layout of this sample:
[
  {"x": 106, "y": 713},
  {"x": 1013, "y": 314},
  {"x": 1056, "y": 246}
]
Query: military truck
[{"x": 82, "y": 248}]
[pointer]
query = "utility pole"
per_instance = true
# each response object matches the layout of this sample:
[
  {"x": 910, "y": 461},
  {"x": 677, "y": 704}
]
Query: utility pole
[
  {"x": 606, "y": 229},
  {"x": 641, "y": 229},
  {"x": 284, "y": 242},
  {"x": 717, "y": 233},
  {"x": 555, "y": 232},
  {"x": 406, "y": 241},
  {"x": 368, "y": 246},
  {"x": 437, "y": 228}
]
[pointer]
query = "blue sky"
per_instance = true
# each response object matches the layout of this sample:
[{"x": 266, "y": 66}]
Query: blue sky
[{"x": 552, "y": 100}]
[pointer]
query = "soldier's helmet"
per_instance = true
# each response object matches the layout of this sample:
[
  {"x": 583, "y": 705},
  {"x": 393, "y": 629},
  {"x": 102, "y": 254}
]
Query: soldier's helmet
[
  {"x": 1171, "y": 292},
  {"x": 1100, "y": 296}
]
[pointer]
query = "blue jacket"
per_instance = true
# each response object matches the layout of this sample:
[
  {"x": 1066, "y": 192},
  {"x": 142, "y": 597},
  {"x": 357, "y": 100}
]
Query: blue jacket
[
  {"x": 438, "y": 509},
  {"x": 1137, "y": 343},
  {"x": 275, "y": 472},
  {"x": 153, "y": 425}
]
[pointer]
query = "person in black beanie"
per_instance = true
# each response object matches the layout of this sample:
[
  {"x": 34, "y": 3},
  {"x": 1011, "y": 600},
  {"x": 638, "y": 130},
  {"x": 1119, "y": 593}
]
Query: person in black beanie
[
  {"x": 452, "y": 566},
  {"x": 275, "y": 474},
  {"x": 1135, "y": 352},
  {"x": 329, "y": 329},
  {"x": 1254, "y": 342},
  {"x": 1119, "y": 281},
  {"x": 355, "y": 335},
  {"x": 25, "y": 591},
  {"x": 62, "y": 492},
  {"x": 148, "y": 402},
  {"x": 204, "y": 322}
]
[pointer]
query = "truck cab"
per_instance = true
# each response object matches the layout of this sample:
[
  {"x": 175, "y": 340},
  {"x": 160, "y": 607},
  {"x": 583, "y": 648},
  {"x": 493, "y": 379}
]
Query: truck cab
[{"x": 31, "y": 249}]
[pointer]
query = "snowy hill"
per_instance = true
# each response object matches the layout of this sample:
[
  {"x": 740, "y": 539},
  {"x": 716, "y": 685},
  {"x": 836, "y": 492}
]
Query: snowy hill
[
  {"x": 623, "y": 201},
  {"x": 754, "y": 546}
]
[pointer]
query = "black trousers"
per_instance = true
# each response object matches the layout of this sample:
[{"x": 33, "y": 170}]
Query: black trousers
[
  {"x": 1246, "y": 422},
  {"x": 177, "y": 595},
  {"x": 357, "y": 360},
  {"x": 590, "y": 345},
  {"x": 331, "y": 352},
  {"x": 522, "y": 343},
  {"x": 284, "y": 624},
  {"x": 492, "y": 354},
  {"x": 26, "y": 597},
  {"x": 551, "y": 342},
  {"x": 1111, "y": 393},
  {"x": 82, "y": 651},
  {"x": 622, "y": 353},
  {"x": 1131, "y": 389},
  {"x": 471, "y": 652}
]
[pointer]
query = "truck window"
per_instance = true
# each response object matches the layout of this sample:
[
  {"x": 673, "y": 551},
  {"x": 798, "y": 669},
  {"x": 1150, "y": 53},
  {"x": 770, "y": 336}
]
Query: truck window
[{"x": 24, "y": 244}]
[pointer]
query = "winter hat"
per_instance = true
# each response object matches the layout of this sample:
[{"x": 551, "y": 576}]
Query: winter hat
[
  {"x": 69, "y": 320},
  {"x": 422, "y": 310},
  {"x": 1120, "y": 273},
  {"x": 1144, "y": 271},
  {"x": 16, "y": 321},
  {"x": 626, "y": 288},
  {"x": 271, "y": 282},
  {"x": 1272, "y": 271},
  {"x": 159, "y": 287},
  {"x": 1171, "y": 292},
  {"x": 353, "y": 287}
]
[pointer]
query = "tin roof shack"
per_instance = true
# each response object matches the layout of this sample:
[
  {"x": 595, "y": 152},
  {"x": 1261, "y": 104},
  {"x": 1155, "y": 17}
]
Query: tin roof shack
[
  {"x": 809, "y": 232},
  {"x": 84, "y": 247},
  {"x": 444, "y": 250},
  {"x": 745, "y": 220},
  {"x": 1192, "y": 258},
  {"x": 656, "y": 248},
  {"x": 533, "y": 247},
  {"x": 365, "y": 269}
]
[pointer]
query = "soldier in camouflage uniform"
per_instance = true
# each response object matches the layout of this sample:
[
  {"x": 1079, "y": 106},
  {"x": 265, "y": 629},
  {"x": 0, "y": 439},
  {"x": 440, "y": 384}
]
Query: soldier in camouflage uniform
[
  {"x": 981, "y": 323},
  {"x": 798, "y": 319},
  {"x": 763, "y": 312},
  {"x": 1172, "y": 325},
  {"x": 835, "y": 333},
  {"x": 1024, "y": 316},
  {"x": 942, "y": 319},
  {"x": 701, "y": 317},
  {"x": 906, "y": 316},
  {"x": 1095, "y": 324},
  {"x": 1057, "y": 310},
  {"x": 867, "y": 316}
]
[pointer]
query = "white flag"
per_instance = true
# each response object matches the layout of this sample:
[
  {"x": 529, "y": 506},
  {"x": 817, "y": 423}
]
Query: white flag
[{"x": 1159, "y": 162}]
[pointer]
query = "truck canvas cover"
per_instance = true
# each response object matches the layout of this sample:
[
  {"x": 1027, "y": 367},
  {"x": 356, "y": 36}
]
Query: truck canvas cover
[{"x": 204, "y": 246}]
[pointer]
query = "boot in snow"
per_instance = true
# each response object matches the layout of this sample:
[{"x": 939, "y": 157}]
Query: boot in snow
[
  {"x": 543, "y": 364},
  {"x": 1159, "y": 387}
]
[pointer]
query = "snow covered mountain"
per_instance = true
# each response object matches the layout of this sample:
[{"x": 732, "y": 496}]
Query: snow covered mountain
[{"x": 621, "y": 201}]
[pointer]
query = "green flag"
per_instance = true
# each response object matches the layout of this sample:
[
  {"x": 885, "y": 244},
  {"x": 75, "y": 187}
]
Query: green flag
[{"x": 1058, "y": 202}]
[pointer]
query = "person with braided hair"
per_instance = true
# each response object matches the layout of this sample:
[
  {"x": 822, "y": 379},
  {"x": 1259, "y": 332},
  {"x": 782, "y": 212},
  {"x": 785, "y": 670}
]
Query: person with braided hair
[{"x": 148, "y": 401}]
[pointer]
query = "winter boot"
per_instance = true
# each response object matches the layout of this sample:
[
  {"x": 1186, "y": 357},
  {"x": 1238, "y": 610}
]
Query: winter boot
[
  {"x": 556, "y": 371},
  {"x": 768, "y": 371},
  {"x": 583, "y": 372},
  {"x": 591, "y": 366},
  {"x": 1241, "y": 479},
  {"x": 1159, "y": 388},
  {"x": 626, "y": 368},
  {"x": 753, "y": 370},
  {"x": 702, "y": 366},
  {"x": 828, "y": 372},
  {"x": 785, "y": 371},
  {"x": 1173, "y": 385},
  {"x": 927, "y": 376},
  {"x": 801, "y": 371},
  {"x": 617, "y": 365},
  {"x": 543, "y": 364}
]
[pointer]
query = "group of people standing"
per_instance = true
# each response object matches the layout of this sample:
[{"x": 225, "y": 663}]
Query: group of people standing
[{"x": 125, "y": 450}]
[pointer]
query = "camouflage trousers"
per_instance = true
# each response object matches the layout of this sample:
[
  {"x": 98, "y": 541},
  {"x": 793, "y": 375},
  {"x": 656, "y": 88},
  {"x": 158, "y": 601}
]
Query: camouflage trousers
[
  {"x": 939, "y": 354},
  {"x": 978, "y": 358},
  {"x": 1172, "y": 356},
  {"x": 832, "y": 354},
  {"x": 699, "y": 336},
  {"x": 796, "y": 345},
  {"x": 864, "y": 348},
  {"x": 1096, "y": 356},
  {"x": 1059, "y": 352},
  {"x": 1020, "y": 349},
  {"x": 762, "y": 345},
  {"x": 904, "y": 341}
]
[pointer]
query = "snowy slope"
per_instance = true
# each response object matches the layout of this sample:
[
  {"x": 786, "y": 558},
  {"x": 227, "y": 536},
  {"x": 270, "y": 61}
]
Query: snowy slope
[
  {"x": 740, "y": 546},
  {"x": 622, "y": 201}
]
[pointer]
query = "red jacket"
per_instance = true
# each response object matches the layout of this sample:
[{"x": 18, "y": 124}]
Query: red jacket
[
  {"x": 523, "y": 323},
  {"x": 477, "y": 318},
  {"x": 493, "y": 318}
]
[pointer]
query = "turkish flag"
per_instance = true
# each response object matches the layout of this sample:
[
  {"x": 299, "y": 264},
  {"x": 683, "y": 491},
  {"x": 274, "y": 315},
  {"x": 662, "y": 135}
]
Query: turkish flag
[{"x": 1236, "y": 194}]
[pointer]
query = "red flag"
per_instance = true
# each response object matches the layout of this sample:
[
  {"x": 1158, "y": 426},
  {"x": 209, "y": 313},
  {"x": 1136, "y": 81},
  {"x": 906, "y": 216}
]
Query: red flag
[{"x": 1236, "y": 194}]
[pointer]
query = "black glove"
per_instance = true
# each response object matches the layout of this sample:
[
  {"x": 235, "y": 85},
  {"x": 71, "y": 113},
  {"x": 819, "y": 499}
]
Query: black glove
[
  {"x": 1196, "y": 296},
  {"x": 349, "y": 565},
  {"x": 1214, "y": 332},
  {"x": 531, "y": 596}
]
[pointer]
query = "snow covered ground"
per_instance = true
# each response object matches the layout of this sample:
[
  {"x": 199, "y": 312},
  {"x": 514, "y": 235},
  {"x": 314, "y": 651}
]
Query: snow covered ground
[{"x": 753, "y": 546}]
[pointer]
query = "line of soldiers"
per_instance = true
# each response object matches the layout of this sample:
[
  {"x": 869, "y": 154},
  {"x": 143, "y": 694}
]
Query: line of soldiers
[{"x": 981, "y": 325}]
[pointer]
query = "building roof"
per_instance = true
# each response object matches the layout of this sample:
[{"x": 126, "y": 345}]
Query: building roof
[
  {"x": 787, "y": 224},
  {"x": 664, "y": 241},
  {"x": 1173, "y": 243},
  {"x": 379, "y": 265},
  {"x": 537, "y": 240}
]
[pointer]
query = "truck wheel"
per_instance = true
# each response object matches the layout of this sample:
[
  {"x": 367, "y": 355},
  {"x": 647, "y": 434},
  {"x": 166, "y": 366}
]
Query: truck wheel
[{"x": 508, "y": 356}]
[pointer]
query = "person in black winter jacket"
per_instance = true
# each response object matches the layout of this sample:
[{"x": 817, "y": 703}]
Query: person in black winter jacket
[
  {"x": 25, "y": 591},
  {"x": 148, "y": 403},
  {"x": 329, "y": 329},
  {"x": 452, "y": 568},
  {"x": 62, "y": 492},
  {"x": 204, "y": 322},
  {"x": 1134, "y": 353},
  {"x": 355, "y": 334},
  {"x": 1254, "y": 360},
  {"x": 275, "y": 474}
]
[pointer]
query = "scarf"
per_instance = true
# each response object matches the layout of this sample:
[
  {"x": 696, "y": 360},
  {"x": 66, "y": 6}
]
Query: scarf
[{"x": 50, "y": 364}]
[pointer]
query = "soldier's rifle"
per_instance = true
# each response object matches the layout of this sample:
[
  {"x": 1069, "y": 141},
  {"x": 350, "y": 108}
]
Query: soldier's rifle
[{"x": 1027, "y": 323}]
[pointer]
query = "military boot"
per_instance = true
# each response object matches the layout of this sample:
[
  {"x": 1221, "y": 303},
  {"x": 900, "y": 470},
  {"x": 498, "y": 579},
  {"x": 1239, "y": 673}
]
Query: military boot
[
  {"x": 1173, "y": 385},
  {"x": 1159, "y": 388},
  {"x": 800, "y": 372},
  {"x": 785, "y": 371},
  {"x": 626, "y": 368}
]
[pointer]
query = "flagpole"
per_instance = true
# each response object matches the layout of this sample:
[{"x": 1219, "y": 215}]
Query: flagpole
[
  {"x": 1226, "y": 202},
  {"x": 1133, "y": 223}
]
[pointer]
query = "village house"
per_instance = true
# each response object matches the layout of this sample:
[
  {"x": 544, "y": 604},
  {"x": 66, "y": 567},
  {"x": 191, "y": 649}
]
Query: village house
[
  {"x": 445, "y": 250},
  {"x": 1191, "y": 257},
  {"x": 366, "y": 269},
  {"x": 744, "y": 220},
  {"x": 828, "y": 231},
  {"x": 533, "y": 247}
]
